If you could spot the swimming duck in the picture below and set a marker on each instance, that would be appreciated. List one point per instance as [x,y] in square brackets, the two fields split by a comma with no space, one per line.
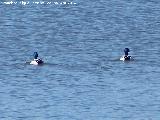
[126,57]
[36,60]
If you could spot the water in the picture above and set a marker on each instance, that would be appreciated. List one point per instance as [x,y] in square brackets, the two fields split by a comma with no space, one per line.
[82,78]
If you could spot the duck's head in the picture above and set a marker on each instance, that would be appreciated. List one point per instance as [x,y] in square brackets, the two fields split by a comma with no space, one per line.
[126,50]
[35,55]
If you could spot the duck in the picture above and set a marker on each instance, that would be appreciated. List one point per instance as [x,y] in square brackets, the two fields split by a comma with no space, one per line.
[36,60]
[126,57]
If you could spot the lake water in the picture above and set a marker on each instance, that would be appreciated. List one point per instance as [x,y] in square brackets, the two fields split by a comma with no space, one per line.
[81,43]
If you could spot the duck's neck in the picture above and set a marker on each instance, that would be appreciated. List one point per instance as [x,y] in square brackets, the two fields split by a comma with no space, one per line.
[126,53]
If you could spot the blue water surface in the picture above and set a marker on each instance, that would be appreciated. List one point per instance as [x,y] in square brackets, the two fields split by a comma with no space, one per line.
[82,78]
